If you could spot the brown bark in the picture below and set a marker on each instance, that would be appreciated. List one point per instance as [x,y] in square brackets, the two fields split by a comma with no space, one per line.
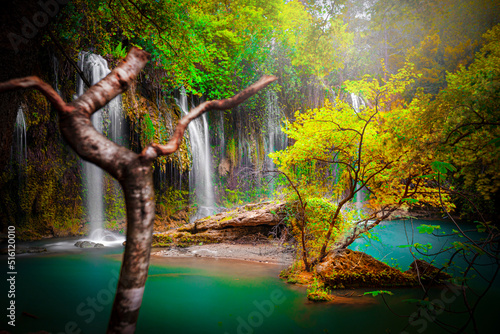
[133,171]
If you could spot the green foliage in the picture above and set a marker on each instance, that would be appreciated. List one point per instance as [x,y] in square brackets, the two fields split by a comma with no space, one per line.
[148,130]
[119,52]
[429,229]
[161,240]
[114,201]
[467,248]
[469,116]
[42,198]
[231,151]
[318,292]
[169,200]
[215,49]
[378,292]
[442,167]
[319,214]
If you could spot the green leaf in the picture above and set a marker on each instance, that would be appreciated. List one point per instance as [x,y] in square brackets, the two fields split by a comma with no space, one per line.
[425,247]
[442,167]
[428,176]
[378,292]
[410,200]
[428,228]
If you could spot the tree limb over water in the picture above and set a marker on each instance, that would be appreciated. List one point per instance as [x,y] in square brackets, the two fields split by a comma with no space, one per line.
[133,171]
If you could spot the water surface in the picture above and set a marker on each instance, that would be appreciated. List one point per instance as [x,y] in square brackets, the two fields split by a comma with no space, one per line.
[72,292]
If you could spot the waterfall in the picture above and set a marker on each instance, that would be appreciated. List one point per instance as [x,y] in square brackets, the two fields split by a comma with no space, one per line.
[275,139]
[118,133]
[360,198]
[20,149]
[357,101]
[200,176]
[95,68]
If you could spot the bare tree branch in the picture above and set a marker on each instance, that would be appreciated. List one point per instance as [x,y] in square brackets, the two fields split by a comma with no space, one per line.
[36,83]
[133,171]
[114,83]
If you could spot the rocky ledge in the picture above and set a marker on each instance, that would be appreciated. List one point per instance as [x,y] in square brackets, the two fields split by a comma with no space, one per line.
[249,220]
[25,250]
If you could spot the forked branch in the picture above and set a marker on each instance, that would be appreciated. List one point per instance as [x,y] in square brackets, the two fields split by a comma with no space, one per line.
[133,171]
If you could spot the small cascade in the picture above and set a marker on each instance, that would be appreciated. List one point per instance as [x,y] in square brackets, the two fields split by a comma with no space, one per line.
[200,176]
[220,128]
[20,149]
[359,199]
[357,102]
[95,68]
[360,196]
[117,133]
[275,139]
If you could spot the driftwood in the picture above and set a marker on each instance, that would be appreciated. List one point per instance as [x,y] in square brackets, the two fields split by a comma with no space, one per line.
[133,171]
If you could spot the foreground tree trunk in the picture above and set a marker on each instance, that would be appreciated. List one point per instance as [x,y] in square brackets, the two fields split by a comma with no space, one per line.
[133,171]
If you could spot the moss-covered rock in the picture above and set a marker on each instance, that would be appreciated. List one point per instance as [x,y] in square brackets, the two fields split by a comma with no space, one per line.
[347,268]
[182,239]
[252,219]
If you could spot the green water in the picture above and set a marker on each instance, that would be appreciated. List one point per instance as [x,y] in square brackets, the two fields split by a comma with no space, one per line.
[72,293]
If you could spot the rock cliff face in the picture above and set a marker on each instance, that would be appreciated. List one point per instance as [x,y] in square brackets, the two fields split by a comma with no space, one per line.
[251,219]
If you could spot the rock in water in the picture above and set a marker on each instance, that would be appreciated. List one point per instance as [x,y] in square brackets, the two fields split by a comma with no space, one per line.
[88,244]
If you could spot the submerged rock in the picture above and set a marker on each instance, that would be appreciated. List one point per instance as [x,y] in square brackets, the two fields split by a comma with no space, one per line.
[251,219]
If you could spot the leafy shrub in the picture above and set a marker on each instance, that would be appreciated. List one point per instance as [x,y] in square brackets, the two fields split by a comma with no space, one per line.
[318,292]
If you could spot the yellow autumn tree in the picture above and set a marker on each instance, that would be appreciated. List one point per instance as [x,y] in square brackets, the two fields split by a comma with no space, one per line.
[381,147]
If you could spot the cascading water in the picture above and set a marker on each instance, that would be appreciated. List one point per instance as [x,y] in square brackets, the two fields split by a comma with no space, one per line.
[95,68]
[20,149]
[355,102]
[359,197]
[275,139]
[200,176]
